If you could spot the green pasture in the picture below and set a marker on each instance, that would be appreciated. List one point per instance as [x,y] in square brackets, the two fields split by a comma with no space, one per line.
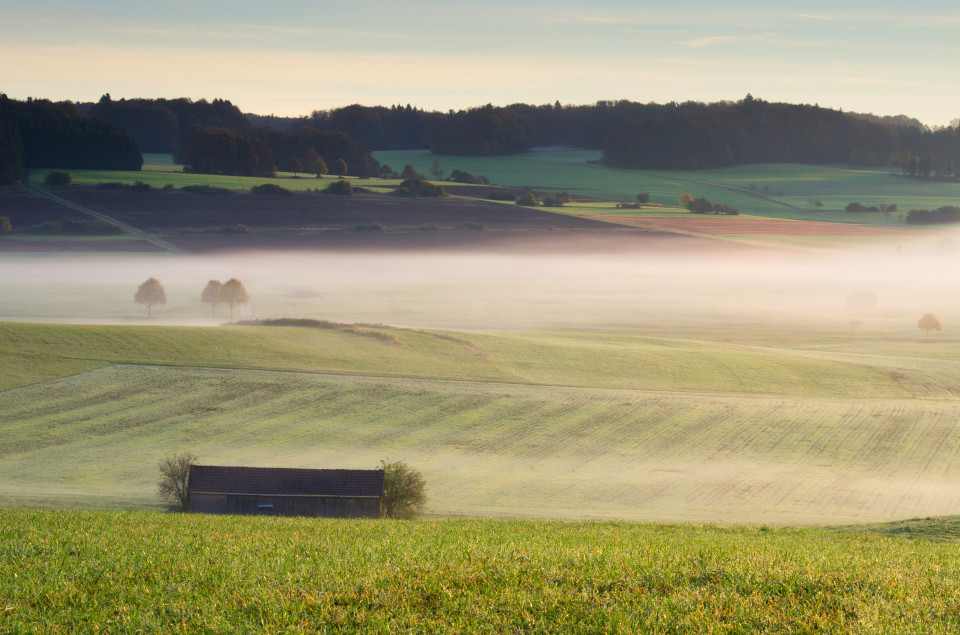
[66,572]
[571,170]
[558,425]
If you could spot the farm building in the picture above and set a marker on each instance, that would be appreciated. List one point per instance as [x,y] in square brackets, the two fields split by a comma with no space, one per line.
[279,491]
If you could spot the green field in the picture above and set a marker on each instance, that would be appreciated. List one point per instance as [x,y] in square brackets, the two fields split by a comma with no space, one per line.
[63,572]
[551,425]
[835,186]
[747,188]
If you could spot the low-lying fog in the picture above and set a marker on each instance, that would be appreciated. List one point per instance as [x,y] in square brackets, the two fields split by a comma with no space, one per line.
[675,292]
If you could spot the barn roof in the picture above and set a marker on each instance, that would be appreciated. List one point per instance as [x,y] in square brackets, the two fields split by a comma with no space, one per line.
[221,479]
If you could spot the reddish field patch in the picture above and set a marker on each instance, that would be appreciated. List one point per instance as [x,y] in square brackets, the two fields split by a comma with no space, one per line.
[727,225]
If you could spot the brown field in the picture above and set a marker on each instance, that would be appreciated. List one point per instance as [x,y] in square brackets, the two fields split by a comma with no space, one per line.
[734,225]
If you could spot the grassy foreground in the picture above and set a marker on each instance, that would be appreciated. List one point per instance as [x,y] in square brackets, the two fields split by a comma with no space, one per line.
[64,572]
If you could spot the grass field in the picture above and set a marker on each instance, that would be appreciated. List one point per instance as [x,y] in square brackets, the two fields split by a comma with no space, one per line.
[66,572]
[526,425]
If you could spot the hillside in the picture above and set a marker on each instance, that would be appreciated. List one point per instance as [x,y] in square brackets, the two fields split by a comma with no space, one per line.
[531,425]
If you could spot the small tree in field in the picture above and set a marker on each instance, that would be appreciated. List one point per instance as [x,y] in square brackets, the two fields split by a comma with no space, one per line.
[319,167]
[927,323]
[685,199]
[340,167]
[5,226]
[149,293]
[234,293]
[643,197]
[436,171]
[211,295]
[174,479]
[403,491]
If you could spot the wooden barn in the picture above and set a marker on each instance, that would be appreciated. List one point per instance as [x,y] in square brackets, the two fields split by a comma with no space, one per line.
[280,491]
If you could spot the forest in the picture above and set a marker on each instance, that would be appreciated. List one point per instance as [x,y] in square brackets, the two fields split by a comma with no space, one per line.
[217,137]
[41,133]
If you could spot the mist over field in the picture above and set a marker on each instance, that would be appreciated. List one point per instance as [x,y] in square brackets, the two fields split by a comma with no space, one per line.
[679,289]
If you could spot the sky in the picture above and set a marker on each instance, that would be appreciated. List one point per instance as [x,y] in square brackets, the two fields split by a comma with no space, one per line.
[291,57]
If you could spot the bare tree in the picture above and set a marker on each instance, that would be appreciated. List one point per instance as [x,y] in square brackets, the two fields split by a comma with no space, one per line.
[149,293]
[403,491]
[211,295]
[854,324]
[173,486]
[927,323]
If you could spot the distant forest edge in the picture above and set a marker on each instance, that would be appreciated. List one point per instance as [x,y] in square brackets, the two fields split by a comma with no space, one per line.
[40,133]
[216,137]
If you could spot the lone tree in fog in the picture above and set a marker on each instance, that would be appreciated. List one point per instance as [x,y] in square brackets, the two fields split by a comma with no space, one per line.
[150,292]
[233,293]
[211,295]
[403,491]
[175,478]
[927,323]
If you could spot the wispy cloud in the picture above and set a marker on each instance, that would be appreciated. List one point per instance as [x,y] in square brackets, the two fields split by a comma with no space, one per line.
[813,16]
[707,41]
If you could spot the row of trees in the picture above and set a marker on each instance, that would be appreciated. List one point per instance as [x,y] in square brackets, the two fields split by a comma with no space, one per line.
[259,153]
[41,133]
[232,293]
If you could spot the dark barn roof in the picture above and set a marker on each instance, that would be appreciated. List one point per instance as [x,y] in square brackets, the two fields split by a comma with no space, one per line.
[220,479]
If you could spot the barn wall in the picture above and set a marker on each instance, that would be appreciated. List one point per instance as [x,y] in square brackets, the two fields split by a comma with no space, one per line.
[319,507]
[208,504]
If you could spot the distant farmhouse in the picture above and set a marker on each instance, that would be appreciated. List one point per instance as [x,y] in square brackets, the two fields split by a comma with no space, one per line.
[278,491]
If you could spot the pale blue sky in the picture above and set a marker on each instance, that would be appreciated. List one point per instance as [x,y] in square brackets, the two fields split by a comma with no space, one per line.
[290,57]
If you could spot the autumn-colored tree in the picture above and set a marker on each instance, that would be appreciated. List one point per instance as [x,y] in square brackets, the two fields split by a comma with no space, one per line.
[319,167]
[234,293]
[149,293]
[927,323]
[685,199]
[436,171]
[340,167]
[211,295]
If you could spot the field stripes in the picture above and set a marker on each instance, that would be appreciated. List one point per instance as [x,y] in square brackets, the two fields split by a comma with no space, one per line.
[493,449]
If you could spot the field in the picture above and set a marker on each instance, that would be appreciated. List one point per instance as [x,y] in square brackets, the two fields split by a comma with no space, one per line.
[545,425]
[132,572]
[760,192]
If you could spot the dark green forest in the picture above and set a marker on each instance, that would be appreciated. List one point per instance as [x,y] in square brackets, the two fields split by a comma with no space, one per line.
[39,133]
[217,137]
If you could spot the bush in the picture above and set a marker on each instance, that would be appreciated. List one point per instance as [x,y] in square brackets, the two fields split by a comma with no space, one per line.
[140,186]
[270,189]
[528,200]
[416,188]
[340,187]
[501,195]
[206,190]
[403,491]
[940,216]
[854,207]
[169,187]
[58,178]
[461,176]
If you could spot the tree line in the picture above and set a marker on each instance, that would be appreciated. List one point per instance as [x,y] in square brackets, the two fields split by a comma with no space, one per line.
[688,135]
[39,133]
[264,150]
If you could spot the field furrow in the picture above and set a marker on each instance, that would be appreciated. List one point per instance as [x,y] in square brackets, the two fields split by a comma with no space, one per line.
[492,449]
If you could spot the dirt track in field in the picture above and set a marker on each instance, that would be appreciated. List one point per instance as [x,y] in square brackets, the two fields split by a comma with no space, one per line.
[732,225]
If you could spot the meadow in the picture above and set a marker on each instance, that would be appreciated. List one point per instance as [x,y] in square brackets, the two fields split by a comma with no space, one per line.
[541,425]
[64,572]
